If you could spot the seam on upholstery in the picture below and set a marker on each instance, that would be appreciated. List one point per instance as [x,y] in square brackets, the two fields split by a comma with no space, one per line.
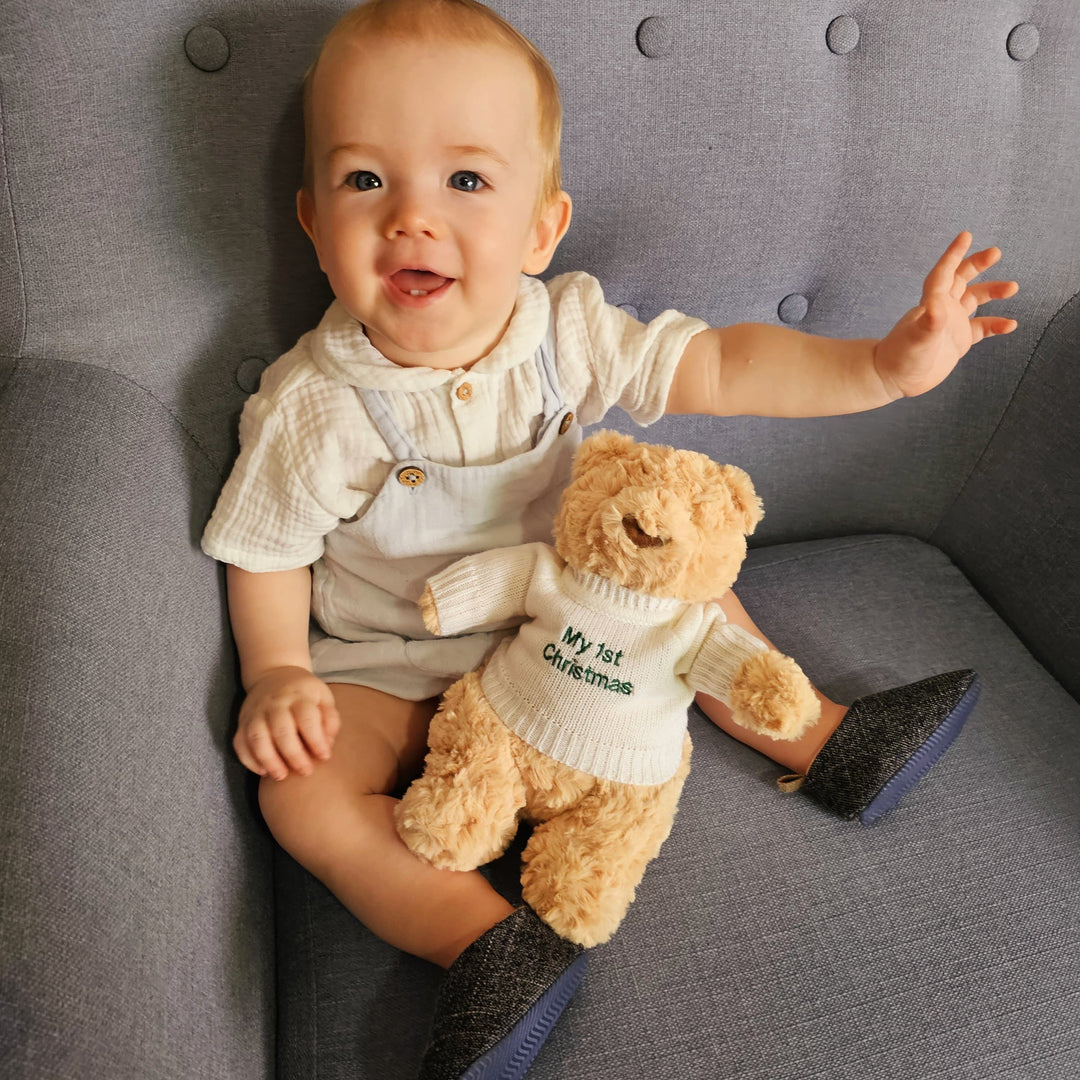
[868,541]
[14,227]
[128,379]
[314,979]
[1001,419]
[11,374]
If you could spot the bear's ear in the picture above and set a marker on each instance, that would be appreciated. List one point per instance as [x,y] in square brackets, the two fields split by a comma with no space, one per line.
[599,450]
[745,503]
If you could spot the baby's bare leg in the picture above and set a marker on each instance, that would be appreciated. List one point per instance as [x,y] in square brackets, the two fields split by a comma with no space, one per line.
[338,823]
[796,754]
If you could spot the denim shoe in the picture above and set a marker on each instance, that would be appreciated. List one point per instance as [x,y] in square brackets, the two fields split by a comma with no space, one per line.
[500,1000]
[885,745]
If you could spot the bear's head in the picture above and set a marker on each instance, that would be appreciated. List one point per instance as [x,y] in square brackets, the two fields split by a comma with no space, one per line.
[655,519]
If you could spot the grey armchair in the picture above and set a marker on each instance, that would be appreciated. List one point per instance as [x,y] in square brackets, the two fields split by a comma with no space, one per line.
[787,162]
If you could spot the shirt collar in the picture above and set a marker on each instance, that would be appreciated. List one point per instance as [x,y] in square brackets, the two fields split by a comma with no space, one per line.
[341,349]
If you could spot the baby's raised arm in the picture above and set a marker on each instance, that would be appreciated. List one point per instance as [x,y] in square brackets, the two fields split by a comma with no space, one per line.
[756,369]
[289,713]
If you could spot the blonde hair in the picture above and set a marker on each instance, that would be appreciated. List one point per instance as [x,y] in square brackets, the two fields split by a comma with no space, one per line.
[454,20]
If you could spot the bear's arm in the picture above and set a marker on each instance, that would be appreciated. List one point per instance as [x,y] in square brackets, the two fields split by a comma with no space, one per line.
[723,651]
[482,589]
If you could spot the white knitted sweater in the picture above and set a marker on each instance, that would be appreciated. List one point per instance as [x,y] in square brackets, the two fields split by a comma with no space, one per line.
[601,677]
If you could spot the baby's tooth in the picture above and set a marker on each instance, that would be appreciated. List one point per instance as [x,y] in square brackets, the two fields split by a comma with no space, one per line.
[417,292]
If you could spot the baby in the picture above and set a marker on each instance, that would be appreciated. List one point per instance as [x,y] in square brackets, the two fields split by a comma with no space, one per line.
[432,413]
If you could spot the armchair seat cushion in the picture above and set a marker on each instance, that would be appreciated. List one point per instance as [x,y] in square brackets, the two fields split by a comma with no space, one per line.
[760,946]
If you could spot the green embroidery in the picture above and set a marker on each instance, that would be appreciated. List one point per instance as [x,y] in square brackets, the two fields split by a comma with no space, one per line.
[578,645]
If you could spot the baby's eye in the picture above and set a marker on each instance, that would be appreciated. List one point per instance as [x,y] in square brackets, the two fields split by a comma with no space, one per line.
[470,179]
[363,180]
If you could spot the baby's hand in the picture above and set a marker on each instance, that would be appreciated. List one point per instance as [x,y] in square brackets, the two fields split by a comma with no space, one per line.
[287,716]
[925,345]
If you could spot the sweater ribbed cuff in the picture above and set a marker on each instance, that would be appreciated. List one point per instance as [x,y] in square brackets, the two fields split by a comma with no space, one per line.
[454,590]
[724,651]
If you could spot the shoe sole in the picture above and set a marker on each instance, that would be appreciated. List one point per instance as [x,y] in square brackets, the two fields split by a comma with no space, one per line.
[511,1058]
[919,764]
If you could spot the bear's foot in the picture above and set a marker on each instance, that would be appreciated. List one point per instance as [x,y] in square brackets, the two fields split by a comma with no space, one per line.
[447,827]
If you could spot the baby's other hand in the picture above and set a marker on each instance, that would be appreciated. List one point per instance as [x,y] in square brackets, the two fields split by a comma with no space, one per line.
[925,345]
[288,717]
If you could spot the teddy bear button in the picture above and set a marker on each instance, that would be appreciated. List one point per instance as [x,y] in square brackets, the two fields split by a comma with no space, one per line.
[411,476]
[567,420]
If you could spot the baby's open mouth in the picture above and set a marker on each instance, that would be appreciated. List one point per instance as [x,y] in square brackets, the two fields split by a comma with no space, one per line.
[418,282]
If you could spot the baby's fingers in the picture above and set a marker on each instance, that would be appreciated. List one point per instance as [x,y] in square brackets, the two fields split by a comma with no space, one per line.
[247,758]
[331,723]
[943,274]
[990,326]
[309,720]
[255,747]
[985,291]
[283,726]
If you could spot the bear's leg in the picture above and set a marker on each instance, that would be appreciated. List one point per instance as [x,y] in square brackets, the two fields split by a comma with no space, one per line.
[463,811]
[583,866]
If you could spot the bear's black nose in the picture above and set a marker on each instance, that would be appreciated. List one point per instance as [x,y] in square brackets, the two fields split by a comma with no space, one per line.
[638,535]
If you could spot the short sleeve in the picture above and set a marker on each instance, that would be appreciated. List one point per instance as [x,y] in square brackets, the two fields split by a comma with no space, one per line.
[606,357]
[267,517]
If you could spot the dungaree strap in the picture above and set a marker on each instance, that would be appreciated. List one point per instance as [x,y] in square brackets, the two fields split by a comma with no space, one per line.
[400,445]
[549,381]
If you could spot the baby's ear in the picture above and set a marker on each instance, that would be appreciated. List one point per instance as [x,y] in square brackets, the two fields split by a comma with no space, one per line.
[548,229]
[746,507]
[600,450]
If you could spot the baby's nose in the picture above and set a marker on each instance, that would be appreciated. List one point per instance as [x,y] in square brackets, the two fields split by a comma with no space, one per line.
[411,215]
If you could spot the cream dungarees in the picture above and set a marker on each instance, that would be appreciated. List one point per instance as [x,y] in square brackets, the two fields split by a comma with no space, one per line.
[424,517]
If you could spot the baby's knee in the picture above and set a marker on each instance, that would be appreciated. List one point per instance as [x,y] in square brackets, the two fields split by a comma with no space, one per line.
[301,811]
[282,804]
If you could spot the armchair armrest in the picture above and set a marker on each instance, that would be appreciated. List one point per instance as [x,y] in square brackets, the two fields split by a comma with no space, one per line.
[1015,528]
[136,926]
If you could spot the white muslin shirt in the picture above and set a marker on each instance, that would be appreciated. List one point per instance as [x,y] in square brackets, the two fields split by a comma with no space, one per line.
[311,457]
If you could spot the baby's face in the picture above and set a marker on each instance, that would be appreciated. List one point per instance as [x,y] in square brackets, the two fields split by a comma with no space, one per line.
[429,157]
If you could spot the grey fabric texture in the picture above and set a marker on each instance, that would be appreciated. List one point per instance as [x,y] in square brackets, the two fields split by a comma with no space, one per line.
[135,913]
[789,163]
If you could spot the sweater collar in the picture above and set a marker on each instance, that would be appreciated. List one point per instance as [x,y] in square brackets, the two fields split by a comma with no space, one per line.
[603,594]
[341,349]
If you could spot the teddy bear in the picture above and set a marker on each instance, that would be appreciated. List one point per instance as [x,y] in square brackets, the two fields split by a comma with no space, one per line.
[577,722]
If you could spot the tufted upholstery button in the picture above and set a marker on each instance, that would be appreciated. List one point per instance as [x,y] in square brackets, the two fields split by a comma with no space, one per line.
[1023,41]
[248,373]
[843,34]
[207,48]
[411,476]
[655,36]
[793,308]
[567,420]
[629,309]
[464,391]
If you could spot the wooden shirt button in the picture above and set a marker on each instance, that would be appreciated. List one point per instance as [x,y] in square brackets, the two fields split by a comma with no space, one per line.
[567,420]
[464,391]
[411,476]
